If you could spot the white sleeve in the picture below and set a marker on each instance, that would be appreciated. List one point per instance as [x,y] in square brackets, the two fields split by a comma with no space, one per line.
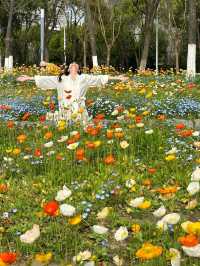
[96,80]
[47,82]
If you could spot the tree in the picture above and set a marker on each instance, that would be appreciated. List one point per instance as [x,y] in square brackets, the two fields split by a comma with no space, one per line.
[192,28]
[148,8]
[91,30]
[110,29]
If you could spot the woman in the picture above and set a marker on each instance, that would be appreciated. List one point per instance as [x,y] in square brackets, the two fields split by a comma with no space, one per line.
[71,88]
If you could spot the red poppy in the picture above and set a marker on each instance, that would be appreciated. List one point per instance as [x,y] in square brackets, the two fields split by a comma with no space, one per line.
[138,119]
[42,118]
[8,257]
[151,170]
[109,134]
[38,152]
[51,208]
[191,85]
[180,126]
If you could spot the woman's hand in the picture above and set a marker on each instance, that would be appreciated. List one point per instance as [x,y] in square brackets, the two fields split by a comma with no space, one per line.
[123,78]
[120,77]
[24,78]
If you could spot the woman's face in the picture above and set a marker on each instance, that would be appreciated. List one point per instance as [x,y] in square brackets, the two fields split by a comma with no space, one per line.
[73,69]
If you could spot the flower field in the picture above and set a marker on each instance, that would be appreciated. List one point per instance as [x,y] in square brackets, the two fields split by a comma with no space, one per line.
[123,190]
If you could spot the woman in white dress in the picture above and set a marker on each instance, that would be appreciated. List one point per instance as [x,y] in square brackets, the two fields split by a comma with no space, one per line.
[71,89]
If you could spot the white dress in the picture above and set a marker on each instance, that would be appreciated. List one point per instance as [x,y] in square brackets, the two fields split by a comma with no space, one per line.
[71,94]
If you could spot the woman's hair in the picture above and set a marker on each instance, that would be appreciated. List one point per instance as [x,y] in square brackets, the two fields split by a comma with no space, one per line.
[66,71]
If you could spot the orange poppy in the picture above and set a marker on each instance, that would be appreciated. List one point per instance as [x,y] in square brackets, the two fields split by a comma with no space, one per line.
[3,188]
[90,145]
[188,240]
[119,135]
[186,133]
[109,134]
[51,208]
[26,116]
[10,124]
[161,117]
[80,154]
[109,159]
[167,190]
[21,138]
[48,135]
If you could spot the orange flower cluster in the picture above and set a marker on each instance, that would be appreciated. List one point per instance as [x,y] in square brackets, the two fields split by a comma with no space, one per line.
[149,251]
[188,240]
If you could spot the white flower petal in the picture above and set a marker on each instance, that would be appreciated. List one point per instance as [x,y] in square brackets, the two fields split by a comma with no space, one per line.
[171,218]
[67,210]
[63,194]
[99,229]
[136,202]
[193,188]
[121,234]
[160,211]
[192,251]
[31,235]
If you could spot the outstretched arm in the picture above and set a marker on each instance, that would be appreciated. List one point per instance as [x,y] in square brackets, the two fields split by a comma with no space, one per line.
[100,80]
[43,82]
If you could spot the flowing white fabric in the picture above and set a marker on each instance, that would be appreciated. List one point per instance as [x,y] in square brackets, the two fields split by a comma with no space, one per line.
[71,92]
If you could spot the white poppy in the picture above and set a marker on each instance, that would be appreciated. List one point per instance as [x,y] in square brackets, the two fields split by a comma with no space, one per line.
[160,211]
[175,257]
[62,139]
[83,256]
[161,225]
[130,183]
[149,132]
[192,204]
[124,144]
[171,218]
[63,194]
[196,175]
[118,261]
[121,234]
[48,144]
[192,251]
[50,153]
[67,210]
[172,151]
[115,112]
[73,146]
[136,202]
[103,213]
[193,188]
[31,235]
[89,263]
[99,229]
[140,125]
[195,134]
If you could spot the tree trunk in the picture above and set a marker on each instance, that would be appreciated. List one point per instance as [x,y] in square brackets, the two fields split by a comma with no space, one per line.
[91,30]
[177,61]
[191,56]
[151,8]
[84,52]
[145,52]
[8,39]
[108,56]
